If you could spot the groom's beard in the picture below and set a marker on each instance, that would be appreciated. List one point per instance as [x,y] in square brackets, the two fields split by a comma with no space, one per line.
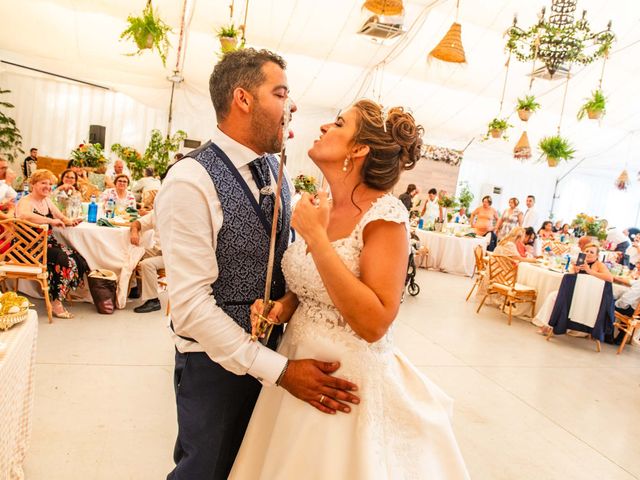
[266,134]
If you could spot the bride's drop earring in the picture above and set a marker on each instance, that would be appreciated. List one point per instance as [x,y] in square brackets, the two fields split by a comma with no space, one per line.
[345,164]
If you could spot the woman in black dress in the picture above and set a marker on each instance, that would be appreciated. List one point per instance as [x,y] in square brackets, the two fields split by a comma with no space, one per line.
[66,267]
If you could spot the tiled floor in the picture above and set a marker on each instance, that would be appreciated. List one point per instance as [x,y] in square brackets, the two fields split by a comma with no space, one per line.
[525,408]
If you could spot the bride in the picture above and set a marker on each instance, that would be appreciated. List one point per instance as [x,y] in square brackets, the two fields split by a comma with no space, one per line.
[346,278]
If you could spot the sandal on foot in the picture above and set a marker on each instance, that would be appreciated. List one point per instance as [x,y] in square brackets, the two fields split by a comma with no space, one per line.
[64,314]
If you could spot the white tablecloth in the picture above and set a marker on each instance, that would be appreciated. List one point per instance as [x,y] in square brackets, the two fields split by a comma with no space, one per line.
[103,247]
[450,253]
[545,281]
[17,365]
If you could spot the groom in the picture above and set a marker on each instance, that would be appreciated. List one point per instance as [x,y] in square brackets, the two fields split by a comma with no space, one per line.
[214,218]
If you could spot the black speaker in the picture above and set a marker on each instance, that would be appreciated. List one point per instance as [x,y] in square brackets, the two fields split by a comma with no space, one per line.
[96,134]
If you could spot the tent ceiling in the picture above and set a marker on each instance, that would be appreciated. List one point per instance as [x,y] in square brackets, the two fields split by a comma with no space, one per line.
[330,65]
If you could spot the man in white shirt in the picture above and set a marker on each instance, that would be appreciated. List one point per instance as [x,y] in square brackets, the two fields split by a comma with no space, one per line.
[212,216]
[618,240]
[531,218]
[145,184]
[431,210]
[7,193]
[118,168]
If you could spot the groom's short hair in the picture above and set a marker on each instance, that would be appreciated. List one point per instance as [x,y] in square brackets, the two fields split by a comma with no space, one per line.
[241,68]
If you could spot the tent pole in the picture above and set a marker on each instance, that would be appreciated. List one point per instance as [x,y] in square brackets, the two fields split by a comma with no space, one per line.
[558,180]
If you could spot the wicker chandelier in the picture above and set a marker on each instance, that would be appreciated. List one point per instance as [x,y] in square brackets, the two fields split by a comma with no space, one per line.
[384,7]
[559,41]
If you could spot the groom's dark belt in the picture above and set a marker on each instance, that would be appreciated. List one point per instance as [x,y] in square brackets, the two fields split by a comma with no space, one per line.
[220,304]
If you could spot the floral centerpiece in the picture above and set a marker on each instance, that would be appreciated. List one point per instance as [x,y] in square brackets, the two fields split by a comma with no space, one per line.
[592,226]
[305,183]
[132,158]
[88,155]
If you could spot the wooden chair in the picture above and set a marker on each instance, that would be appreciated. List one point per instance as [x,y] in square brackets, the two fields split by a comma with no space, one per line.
[480,269]
[627,325]
[23,254]
[502,280]
[557,248]
[148,198]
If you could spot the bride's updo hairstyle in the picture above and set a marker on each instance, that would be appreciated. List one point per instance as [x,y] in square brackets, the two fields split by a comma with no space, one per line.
[394,143]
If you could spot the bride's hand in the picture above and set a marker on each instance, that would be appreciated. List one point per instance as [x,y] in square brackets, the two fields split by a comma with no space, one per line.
[274,314]
[310,217]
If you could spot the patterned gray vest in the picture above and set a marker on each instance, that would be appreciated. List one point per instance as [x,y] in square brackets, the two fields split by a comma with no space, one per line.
[242,248]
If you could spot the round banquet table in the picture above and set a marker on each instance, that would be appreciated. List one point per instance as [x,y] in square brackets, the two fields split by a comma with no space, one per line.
[17,365]
[545,281]
[102,247]
[449,253]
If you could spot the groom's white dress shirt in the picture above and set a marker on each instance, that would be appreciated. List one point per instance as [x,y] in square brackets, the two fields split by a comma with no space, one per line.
[190,216]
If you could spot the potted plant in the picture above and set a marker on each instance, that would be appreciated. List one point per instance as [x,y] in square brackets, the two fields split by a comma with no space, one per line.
[159,148]
[88,155]
[594,107]
[465,197]
[526,106]
[556,148]
[10,137]
[447,203]
[228,37]
[148,31]
[497,128]
[136,162]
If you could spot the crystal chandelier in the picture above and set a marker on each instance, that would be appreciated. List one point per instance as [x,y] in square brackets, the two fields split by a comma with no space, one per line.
[559,41]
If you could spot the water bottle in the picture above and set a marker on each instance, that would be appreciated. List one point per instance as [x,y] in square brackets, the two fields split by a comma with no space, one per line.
[92,214]
[567,263]
[421,223]
[109,212]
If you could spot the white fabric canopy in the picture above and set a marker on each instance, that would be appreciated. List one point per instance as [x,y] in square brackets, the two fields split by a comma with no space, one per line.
[330,66]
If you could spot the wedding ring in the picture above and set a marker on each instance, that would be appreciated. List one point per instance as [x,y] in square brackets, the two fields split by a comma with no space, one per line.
[322,399]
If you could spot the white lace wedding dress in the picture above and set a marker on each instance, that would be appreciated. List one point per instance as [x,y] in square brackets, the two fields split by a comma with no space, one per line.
[400,430]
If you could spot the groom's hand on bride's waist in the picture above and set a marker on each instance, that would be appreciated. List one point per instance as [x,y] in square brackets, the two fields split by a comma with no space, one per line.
[310,381]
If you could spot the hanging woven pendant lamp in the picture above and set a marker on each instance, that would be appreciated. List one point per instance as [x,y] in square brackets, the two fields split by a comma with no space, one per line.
[384,7]
[522,150]
[622,182]
[450,48]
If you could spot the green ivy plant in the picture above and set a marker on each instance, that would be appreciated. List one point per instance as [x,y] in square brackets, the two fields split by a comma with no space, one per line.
[497,128]
[136,162]
[556,148]
[148,31]
[594,107]
[159,149]
[10,137]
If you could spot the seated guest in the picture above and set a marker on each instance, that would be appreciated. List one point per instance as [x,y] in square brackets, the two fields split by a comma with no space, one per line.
[461,216]
[146,184]
[531,243]
[513,246]
[407,197]
[7,193]
[631,232]
[68,182]
[634,252]
[120,194]
[483,220]
[557,227]
[546,231]
[617,240]
[592,265]
[564,231]
[151,262]
[65,266]
[511,218]
[118,168]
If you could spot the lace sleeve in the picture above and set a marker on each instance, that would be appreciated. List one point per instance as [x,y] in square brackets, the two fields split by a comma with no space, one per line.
[387,208]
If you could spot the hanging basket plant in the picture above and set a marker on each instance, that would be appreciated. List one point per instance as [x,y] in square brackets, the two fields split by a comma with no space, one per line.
[148,31]
[228,37]
[622,182]
[497,128]
[556,148]
[594,107]
[526,106]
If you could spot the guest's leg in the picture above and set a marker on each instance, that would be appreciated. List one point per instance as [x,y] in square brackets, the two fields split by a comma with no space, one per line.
[214,408]
[149,272]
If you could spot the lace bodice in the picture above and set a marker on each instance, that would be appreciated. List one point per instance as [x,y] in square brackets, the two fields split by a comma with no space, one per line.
[304,280]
